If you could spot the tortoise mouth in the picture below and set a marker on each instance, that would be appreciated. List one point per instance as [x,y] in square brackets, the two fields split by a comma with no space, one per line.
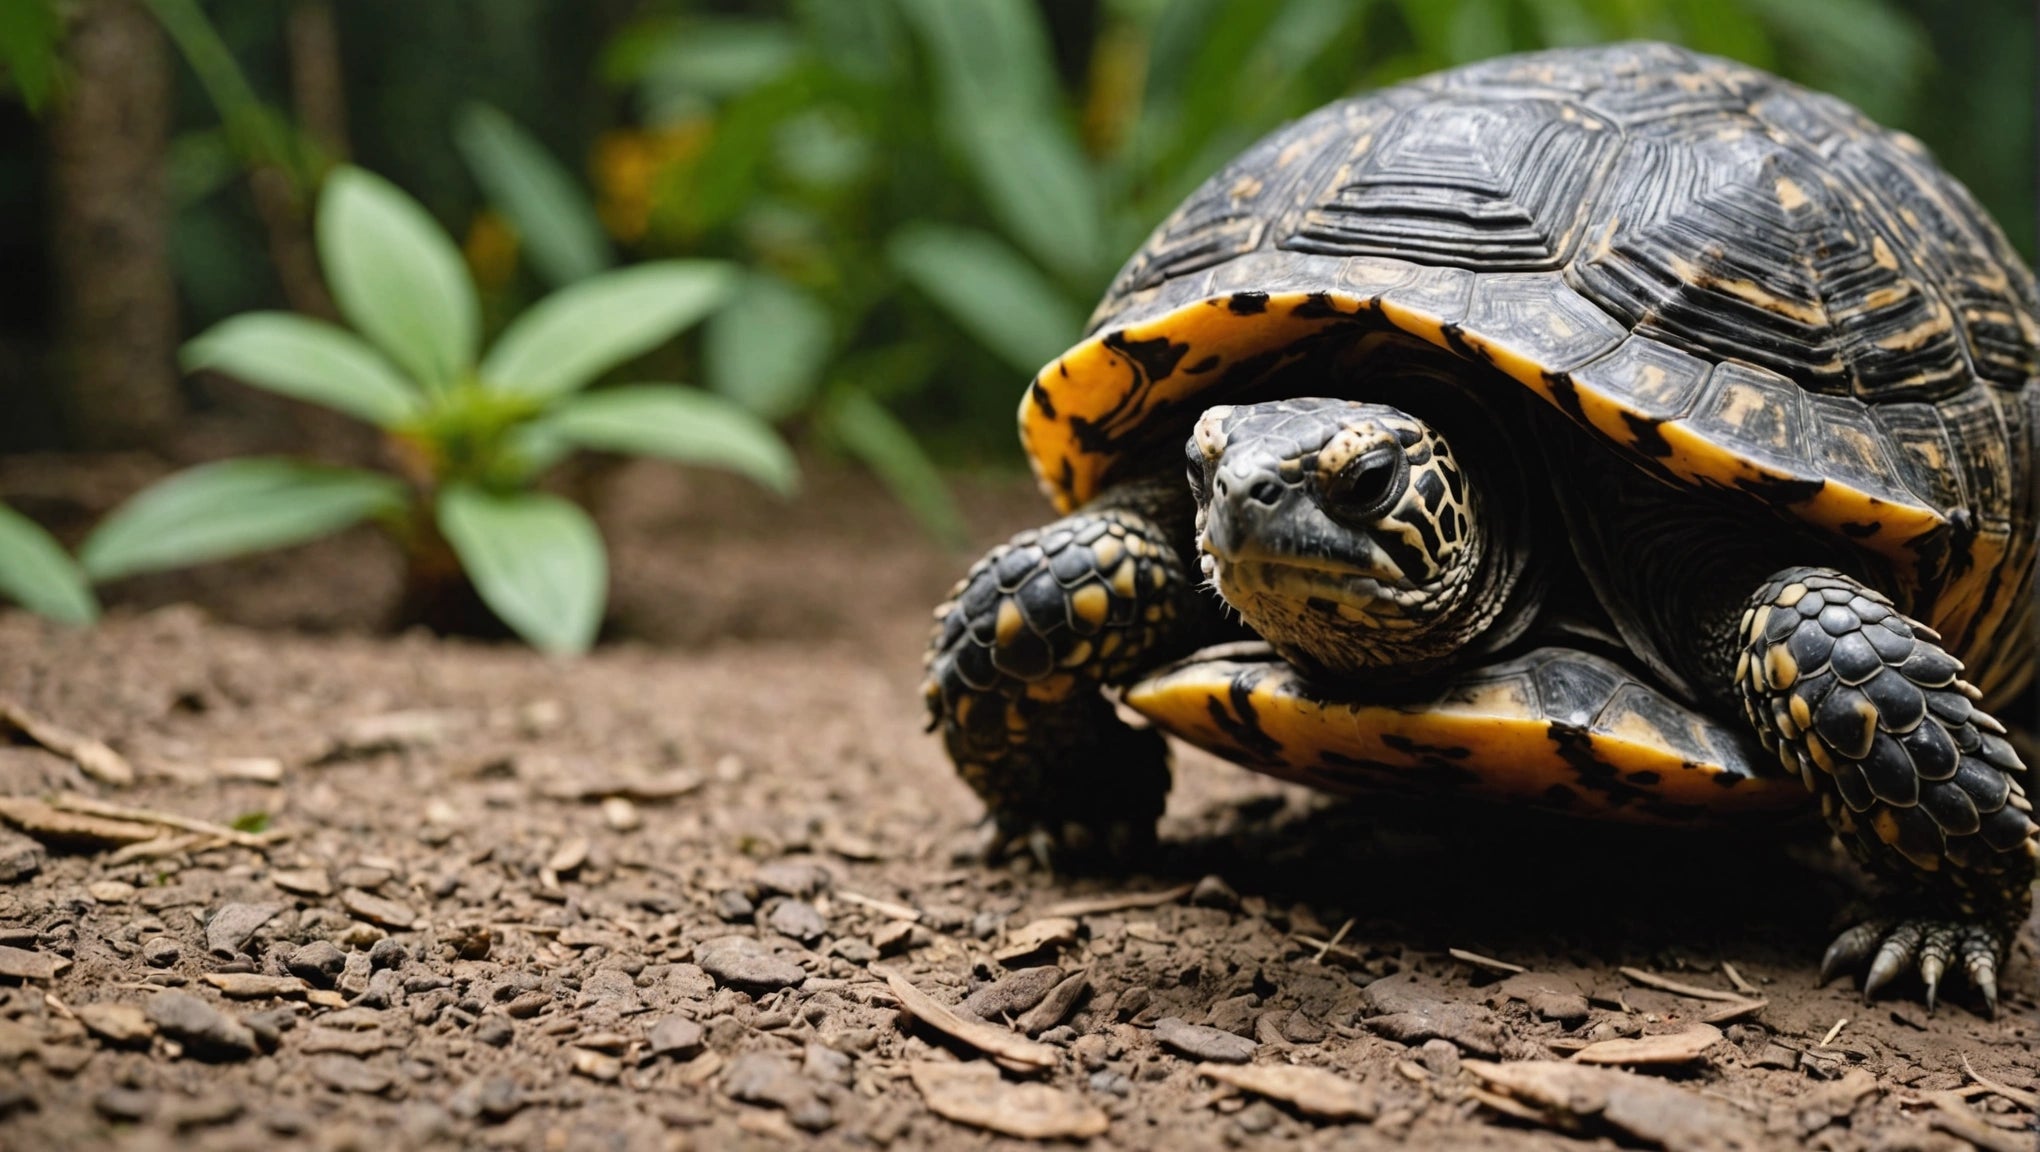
[1323,586]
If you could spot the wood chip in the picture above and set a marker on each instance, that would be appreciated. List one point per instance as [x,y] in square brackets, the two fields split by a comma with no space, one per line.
[253,769]
[96,759]
[1013,1051]
[2030,1101]
[21,964]
[161,846]
[642,789]
[1481,961]
[568,857]
[1665,984]
[886,908]
[70,802]
[1728,1012]
[1571,1096]
[1054,1007]
[1099,905]
[974,1094]
[376,910]
[1055,932]
[68,828]
[1953,1116]
[303,881]
[1314,1092]
[1669,1048]
[1736,978]
[255,985]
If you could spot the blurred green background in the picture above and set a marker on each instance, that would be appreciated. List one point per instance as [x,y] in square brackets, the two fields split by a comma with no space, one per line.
[927,195]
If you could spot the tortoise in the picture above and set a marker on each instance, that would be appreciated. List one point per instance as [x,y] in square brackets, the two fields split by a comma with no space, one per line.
[1622,430]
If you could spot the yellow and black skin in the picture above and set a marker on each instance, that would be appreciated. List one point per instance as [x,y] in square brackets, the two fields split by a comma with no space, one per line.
[1023,645]
[1747,349]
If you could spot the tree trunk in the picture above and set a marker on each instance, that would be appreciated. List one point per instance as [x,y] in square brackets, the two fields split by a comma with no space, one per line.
[116,305]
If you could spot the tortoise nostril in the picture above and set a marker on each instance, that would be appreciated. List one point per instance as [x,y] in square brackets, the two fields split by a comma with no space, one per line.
[1265,492]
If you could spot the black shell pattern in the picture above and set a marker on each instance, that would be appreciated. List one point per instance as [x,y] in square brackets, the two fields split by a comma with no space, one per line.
[1806,298]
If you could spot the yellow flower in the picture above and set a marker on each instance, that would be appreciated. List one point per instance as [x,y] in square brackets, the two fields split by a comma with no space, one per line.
[491,249]
[629,164]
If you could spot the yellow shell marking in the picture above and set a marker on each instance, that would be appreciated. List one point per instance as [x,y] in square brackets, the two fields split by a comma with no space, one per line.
[1099,384]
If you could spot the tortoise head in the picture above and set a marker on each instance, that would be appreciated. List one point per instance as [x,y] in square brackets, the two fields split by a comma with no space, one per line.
[1345,533]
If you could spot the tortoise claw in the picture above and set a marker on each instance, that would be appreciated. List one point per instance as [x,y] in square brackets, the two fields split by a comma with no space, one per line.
[1851,948]
[1979,964]
[1900,948]
[1929,947]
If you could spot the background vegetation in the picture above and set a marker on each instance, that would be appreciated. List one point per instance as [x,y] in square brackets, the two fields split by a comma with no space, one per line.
[921,198]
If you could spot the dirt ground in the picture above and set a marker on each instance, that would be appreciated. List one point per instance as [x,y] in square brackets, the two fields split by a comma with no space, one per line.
[678,894]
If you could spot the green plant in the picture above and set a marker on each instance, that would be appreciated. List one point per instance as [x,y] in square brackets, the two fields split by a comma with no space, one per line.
[36,572]
[473,433]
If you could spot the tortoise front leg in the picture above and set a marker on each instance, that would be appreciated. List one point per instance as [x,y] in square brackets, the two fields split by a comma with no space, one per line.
[1014,671]
[1920,784]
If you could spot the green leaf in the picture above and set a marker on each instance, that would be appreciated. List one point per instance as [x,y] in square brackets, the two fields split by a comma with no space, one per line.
[875,436]
[254,823]
[676,423]
[306,359]
[397,276]
[231,508]
[30,33]
[576,334]
[1039,187]
[553,217]
[536,560]
[989,290]
[1000,101]
[36,573]
[717,58]
[768,348]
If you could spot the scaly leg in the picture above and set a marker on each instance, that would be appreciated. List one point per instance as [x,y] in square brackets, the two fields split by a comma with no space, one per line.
[1014,669]
[1918,782]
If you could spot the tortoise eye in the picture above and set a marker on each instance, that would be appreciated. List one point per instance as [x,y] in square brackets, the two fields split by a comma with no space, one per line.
[1367,486]
[1194,462]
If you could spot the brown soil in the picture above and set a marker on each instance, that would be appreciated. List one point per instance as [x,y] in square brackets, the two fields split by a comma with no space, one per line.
[763,711]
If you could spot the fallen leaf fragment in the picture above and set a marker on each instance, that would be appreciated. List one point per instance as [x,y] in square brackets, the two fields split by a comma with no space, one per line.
[21,964]
[255,985]
[1954,1116]
[1667,1048]
[1100,905]
[1570,1096]
[974,1094]
[1314,1092]
[70,828]
[1047,932]
[99,762]
[1016,1052]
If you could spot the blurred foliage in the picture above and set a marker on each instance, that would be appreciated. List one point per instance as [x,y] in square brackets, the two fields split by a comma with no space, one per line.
[926,196]
[473,431]
[30,32]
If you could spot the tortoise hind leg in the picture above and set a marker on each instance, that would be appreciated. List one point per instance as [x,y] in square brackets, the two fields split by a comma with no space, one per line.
[1920,784]
[1014,668]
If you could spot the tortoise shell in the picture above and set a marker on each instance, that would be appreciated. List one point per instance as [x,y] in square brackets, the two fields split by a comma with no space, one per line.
[1733,282]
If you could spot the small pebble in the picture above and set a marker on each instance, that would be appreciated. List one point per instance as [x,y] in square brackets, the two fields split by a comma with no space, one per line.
[1214,892]
[495,1030]
[798,919]
[678,1037]
[1441,1057]
[318,962]
[1203,1043]
[387,953]
[125,1105]
[20,856]
[734,906]
[742,962]
[799,879]
[230,928]
[161,952]
[204,1031]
